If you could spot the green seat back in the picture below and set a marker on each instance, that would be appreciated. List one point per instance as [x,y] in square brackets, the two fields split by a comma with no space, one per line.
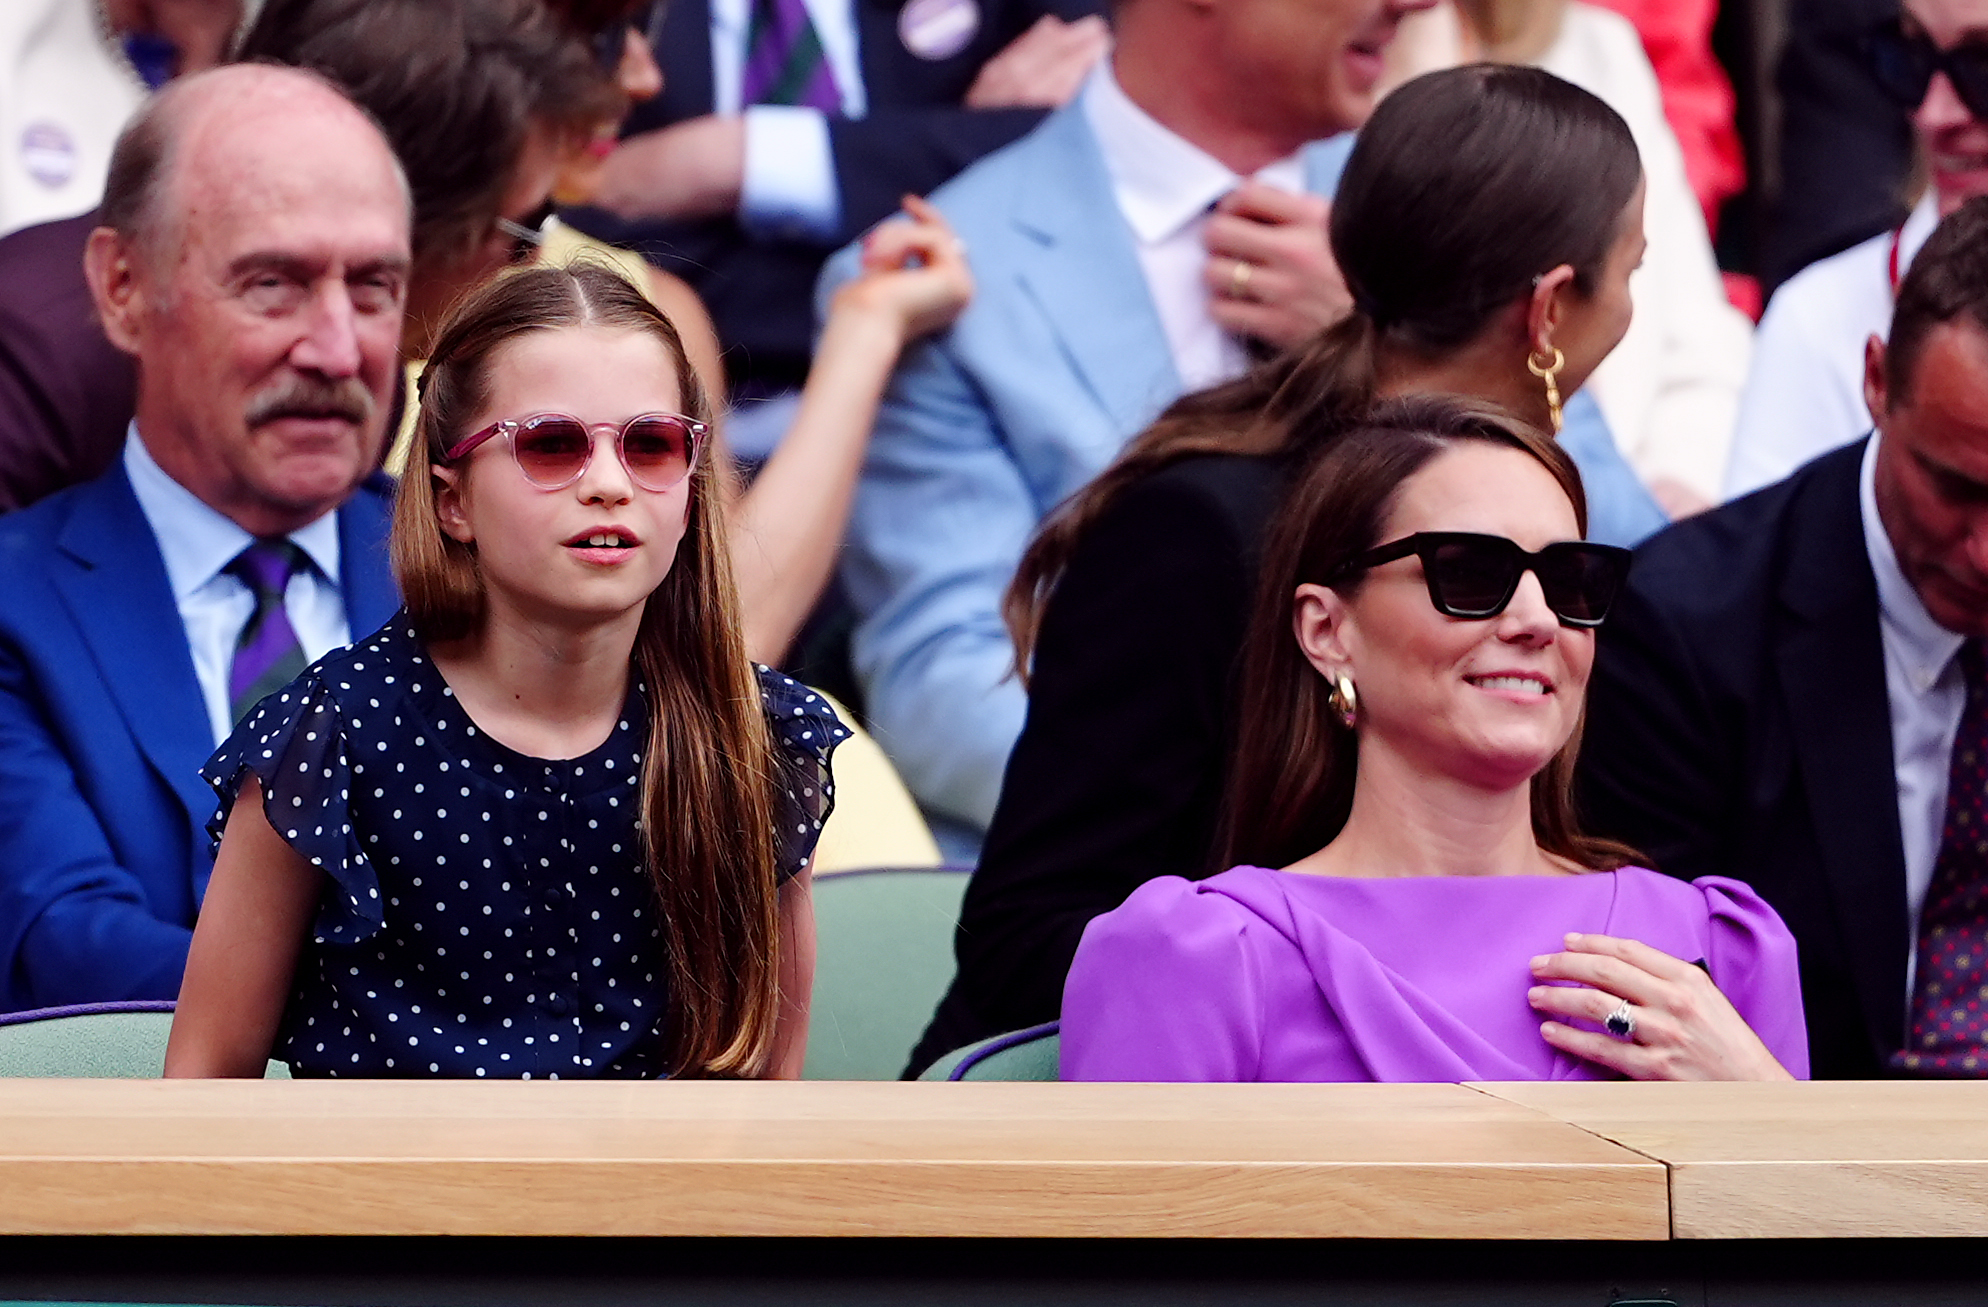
[883,959]
[1018,1055]
[94,1045]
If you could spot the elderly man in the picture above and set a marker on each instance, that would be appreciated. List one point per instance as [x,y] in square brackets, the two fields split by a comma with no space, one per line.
[1106,287]
[253,258]
[1793,693]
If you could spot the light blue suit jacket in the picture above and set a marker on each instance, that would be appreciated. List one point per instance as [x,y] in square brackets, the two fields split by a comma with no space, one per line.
[104,854]
[1059,360]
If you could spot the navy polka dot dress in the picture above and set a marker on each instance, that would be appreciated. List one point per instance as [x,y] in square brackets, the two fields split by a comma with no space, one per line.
[484,913]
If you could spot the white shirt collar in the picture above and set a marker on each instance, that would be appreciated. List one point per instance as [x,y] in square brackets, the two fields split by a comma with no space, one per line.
[1162,181]
[1922,645]
[195,539]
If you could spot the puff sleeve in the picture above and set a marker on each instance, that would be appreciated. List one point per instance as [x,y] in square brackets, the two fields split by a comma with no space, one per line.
[1751,957]
[805,732]
[295,745]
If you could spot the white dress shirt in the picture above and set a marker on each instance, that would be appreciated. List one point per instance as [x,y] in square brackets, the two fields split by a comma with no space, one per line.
[197,544]
[1805,393]
[789,186]
[1165,187]
[1922,681]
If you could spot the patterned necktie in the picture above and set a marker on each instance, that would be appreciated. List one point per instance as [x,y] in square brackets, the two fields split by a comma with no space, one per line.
[1950,991]
[267,655]
[784,63]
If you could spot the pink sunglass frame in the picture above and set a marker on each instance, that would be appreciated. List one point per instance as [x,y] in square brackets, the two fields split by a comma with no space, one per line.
[695,433]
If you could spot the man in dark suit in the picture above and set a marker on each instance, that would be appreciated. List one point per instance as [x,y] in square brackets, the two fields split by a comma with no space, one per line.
[253,258]
[942,83]
[1790,681]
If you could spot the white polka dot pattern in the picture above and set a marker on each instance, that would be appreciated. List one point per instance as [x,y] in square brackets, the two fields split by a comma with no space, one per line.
[484,913]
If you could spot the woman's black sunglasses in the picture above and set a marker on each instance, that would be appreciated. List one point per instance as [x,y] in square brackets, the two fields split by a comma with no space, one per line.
[1474,576]
[1904,63]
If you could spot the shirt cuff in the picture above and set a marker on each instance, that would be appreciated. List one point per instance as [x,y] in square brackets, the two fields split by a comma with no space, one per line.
[789,189]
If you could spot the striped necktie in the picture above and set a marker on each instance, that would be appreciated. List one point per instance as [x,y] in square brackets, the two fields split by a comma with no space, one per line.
[1950,980]
[784,62]
[267,655]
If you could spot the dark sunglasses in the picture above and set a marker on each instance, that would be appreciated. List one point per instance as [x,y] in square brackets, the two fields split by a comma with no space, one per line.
[553,450]
[611,41]
[1474,576]
[1904,63]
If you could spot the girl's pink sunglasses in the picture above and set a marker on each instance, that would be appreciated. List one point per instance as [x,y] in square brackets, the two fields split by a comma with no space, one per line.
[554,449]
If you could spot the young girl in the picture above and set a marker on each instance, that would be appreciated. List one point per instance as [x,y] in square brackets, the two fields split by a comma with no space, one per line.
[549,821]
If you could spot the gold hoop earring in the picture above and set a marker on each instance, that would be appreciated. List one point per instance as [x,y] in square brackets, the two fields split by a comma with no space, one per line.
[1344,700]
[1550,374]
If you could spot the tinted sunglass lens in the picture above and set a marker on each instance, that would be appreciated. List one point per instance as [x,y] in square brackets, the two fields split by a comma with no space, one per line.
[657,451]
[1968,69]
[1472,579]
[1579,581]
[553,452]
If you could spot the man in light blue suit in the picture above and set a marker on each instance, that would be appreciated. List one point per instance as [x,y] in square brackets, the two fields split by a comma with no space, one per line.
[1104,289]
[253,258]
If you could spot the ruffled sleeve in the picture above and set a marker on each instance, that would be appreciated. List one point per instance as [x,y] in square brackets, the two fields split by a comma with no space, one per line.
[805,732]
[1751,956]
[295,746]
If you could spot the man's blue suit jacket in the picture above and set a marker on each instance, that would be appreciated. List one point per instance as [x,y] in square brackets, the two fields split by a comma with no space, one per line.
[104,854]
[1056,363]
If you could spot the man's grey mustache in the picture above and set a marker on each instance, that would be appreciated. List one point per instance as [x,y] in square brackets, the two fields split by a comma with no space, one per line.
[312,397]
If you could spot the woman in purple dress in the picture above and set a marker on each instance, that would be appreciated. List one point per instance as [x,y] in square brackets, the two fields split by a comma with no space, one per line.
[1409,898]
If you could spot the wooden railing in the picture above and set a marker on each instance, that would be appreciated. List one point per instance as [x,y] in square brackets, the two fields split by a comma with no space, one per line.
[1479,1162]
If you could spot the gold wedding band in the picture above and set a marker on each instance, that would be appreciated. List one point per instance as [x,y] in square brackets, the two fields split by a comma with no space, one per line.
[1239,281]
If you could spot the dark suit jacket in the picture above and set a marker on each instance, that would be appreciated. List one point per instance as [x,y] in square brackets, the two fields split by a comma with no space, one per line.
[915,136]
[1118,774]
[66,393]
[104,854]
[1738,726]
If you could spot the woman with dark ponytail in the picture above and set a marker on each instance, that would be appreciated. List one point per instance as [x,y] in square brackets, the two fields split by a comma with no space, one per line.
[1486,225]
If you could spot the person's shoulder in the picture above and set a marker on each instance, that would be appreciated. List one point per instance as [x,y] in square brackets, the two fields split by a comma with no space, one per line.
[1181,917]
[1736,547]
[1840,299]
[28,535]
[43,264]
[1229,494]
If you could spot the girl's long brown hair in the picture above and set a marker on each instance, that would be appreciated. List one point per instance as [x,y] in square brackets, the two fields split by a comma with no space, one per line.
[1291,786]
[710,774]
[1464,186]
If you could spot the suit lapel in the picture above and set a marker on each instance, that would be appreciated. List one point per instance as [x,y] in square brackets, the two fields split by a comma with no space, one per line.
[1831,657]
[114,584]
[1085,275]
[366,581]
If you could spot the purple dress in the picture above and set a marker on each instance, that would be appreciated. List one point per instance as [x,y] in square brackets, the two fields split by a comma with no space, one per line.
[1274,975]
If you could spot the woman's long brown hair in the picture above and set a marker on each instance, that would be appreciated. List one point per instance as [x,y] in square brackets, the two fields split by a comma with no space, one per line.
[1291,785]
[710,774]
[1464,186]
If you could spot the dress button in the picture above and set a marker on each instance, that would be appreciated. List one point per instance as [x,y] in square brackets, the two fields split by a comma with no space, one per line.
[557,1005]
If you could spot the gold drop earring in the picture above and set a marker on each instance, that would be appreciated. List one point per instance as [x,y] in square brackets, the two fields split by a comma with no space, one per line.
[1549,372]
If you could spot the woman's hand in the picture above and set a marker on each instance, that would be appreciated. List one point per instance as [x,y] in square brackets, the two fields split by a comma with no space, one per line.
[914,275]
[1683,1027]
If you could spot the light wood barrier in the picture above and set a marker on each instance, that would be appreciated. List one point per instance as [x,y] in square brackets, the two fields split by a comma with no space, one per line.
[810,1159]
[1893,1159]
